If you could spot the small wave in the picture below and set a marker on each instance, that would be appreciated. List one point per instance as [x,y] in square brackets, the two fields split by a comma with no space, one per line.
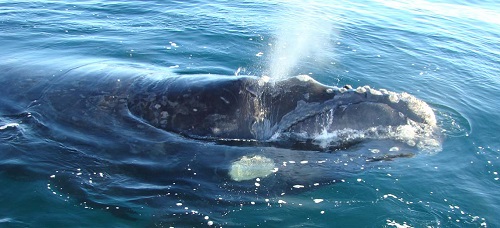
[14,127]
[10,222]
[453,124]
[9,130]
[8,125]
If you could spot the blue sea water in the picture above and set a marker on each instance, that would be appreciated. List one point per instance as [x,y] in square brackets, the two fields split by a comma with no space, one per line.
[55,173]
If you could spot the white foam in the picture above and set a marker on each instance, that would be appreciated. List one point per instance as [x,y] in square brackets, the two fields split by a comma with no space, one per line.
[9,125]
[318,200]
[398,225]
[413,134]
[394,148]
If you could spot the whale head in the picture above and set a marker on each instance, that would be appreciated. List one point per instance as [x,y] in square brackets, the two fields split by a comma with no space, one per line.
[300,109]
[297,109]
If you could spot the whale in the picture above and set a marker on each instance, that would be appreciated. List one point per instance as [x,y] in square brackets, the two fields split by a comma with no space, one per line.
[234,109]
[240,136]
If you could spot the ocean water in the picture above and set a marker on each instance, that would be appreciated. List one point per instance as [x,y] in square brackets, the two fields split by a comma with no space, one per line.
[59,171]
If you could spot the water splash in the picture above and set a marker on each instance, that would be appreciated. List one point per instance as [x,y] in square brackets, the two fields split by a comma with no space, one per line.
[305,31]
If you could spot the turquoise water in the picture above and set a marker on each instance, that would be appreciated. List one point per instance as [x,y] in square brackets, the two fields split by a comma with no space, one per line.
[55,172]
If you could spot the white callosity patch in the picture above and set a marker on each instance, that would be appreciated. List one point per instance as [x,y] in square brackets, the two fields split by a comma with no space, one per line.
[249,168]
[403,102]
[420,108]
[305,78]
[361,90]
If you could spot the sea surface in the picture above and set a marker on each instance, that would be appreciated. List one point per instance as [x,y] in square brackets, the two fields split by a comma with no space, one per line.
[56,172]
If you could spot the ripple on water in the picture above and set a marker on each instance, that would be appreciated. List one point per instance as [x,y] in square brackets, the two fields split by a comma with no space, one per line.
[10,127]
[452,123]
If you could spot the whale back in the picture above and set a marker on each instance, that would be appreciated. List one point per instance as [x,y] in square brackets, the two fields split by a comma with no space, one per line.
[197,106]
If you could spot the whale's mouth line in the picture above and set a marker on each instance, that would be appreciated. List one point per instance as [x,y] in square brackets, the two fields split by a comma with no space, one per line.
[307,112]
[308,117]
[328,113]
